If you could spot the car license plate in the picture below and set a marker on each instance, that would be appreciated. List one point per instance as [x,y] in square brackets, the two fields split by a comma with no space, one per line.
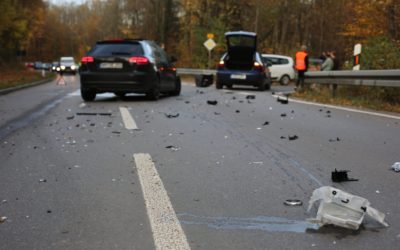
[111,65]
[238,76]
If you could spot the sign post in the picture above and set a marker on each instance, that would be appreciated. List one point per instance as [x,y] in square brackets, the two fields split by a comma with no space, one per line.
[357,55]
[210,45]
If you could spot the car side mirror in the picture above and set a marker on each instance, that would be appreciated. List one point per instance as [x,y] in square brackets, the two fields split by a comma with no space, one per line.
[173,59]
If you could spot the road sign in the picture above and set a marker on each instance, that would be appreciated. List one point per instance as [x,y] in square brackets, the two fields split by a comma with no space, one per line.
[210,44]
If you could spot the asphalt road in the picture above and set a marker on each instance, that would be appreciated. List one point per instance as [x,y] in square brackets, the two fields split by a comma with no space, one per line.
[138,174]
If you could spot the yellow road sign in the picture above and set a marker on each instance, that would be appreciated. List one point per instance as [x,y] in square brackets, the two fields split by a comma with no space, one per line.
[210,44]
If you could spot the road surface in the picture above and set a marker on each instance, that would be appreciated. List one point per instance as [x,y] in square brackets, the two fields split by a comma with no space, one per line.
[138,174]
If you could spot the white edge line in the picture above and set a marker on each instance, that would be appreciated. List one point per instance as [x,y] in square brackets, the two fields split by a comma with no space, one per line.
[166,228]
[343,108]
[128,119]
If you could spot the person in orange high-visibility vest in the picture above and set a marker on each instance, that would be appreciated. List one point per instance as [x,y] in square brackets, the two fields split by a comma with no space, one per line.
[301,65]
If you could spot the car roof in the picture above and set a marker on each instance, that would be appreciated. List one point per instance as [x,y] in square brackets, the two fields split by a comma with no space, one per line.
[274,55]
[125,40]
[240,33]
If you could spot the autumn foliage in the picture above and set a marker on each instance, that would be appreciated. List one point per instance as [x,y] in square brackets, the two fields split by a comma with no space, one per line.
[41,31]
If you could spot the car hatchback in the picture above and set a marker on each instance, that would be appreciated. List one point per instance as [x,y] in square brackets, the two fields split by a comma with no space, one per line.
[128,66]
[242,64]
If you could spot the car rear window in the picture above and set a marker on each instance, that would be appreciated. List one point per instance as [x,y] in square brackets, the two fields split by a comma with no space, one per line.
[244,41]
[67,60]
[117,49]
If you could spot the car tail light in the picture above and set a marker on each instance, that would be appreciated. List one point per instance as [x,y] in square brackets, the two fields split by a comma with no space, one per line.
[258,66]
[87,59]
[221,64]
[139,60]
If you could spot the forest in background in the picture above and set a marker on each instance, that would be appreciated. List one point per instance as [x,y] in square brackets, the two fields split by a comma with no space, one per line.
[36,30]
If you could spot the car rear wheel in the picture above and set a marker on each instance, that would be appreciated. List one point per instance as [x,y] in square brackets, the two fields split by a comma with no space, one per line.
[154,93]
[218,84]
[261,87]
[285,80]
[88,95]
[178,87]
[120,94]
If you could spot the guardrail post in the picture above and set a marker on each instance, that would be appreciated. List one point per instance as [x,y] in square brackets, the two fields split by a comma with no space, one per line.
[334,90]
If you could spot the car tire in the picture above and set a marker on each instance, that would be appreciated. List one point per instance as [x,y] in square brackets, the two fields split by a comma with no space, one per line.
[261,86]
[285,80]
[88,95]
[218,85]
[120,95]
[178,87]
[154,93]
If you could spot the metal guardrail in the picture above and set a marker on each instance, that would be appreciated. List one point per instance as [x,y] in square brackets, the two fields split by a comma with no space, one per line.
[185,71]
[382,78]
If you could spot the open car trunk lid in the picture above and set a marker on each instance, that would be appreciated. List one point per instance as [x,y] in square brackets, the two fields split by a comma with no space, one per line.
[242,47]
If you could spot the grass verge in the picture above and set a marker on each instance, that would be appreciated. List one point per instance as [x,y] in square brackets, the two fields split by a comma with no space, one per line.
[16,75]
[363,97]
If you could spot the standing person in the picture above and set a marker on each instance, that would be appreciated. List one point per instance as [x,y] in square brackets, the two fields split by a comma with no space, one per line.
[301,65]
[335,61]
[335,67]
[328,64]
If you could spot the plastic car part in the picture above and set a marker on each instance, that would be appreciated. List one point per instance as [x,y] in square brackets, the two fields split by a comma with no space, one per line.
[341,175]
[293,203]
[342,209]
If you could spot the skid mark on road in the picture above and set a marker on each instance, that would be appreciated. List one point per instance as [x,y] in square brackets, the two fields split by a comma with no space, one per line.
[166,228]
[263,223]
[128,120]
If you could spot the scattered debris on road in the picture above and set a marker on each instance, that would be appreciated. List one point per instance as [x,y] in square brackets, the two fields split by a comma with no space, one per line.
[283,115]
[341,176]
[116,132]
[266,123]
[396,167]
[217,113]
[283,99]
[169,116]
[93,114]
[173,148]
[342,209]
[3,219]
[293,137]
[250,97]
[334,140]
[212,102]
[292,203]
[237,111]
[42,180]
[70,117]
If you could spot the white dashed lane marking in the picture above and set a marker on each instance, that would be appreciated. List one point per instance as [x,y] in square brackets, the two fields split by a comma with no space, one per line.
[166,228]
[128,119]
